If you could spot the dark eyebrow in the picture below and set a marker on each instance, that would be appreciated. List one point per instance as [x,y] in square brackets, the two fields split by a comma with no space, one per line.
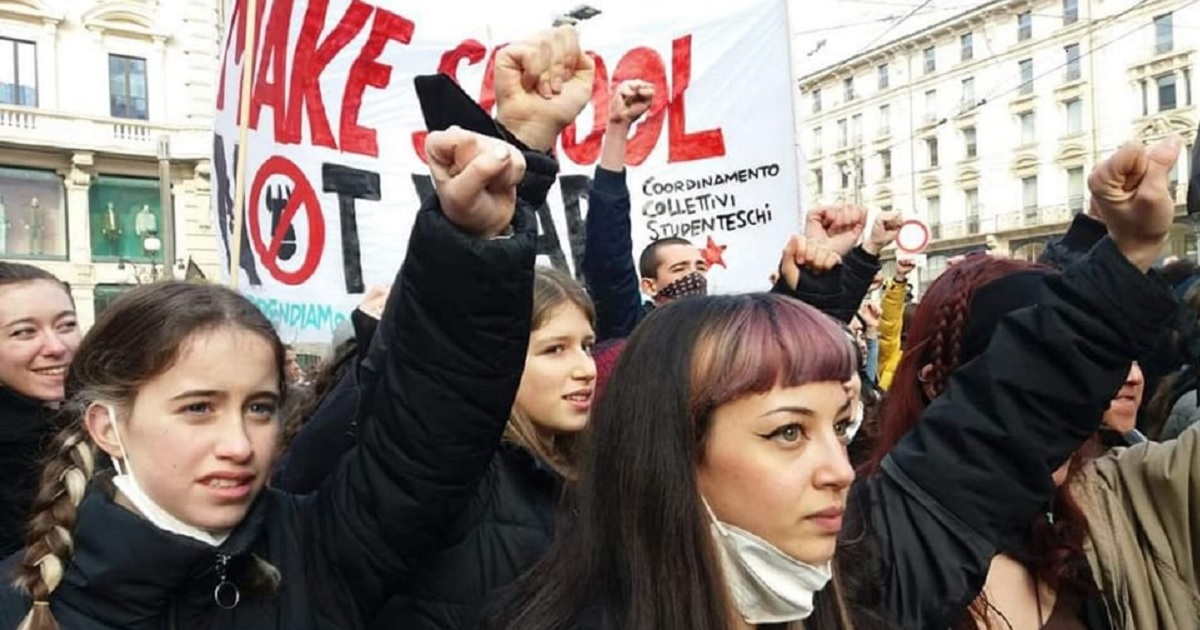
[804,411]
[197,393]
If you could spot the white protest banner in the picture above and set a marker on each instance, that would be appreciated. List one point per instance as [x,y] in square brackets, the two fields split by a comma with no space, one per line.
[335,172]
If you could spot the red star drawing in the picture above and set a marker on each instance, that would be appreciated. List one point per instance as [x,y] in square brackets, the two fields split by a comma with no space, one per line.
[714,254]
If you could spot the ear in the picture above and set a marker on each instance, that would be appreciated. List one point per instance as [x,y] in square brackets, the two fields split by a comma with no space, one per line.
[925,375]
[99,426]
[649,287]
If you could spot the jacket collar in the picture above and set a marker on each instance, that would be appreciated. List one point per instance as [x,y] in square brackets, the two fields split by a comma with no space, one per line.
[22,418]
[126,572]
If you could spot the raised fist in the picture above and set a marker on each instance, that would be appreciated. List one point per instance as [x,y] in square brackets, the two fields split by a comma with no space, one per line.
[800,253]
[883,231]
[837,227]
[541,85]
[904,266]
[476,178]
[631,100]
[1131,193]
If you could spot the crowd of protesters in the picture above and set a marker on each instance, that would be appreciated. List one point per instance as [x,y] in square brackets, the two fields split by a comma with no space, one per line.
[493,444]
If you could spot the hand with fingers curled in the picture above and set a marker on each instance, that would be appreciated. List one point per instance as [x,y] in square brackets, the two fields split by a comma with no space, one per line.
[542,84]
[476,178]
[1131,192]
[631,100]
[837,227]
[375,300]
[887,225]
[804,253]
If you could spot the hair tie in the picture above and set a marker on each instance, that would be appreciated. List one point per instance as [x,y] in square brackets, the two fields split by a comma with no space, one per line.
[41,602]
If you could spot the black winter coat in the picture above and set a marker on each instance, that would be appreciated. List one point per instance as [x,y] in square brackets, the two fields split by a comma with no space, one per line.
[507,527]
[25,431]
[458,322]
[975,472]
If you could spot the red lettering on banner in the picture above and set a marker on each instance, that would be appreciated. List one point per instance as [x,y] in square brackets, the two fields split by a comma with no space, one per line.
[367,70]
[587,150]
[238,41]
[269,85]
[311,59]
[645,64]
[470,50]
[683,146]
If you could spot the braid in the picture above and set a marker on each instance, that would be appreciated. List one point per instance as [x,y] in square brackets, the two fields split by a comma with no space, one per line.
[946,343]
[49,546]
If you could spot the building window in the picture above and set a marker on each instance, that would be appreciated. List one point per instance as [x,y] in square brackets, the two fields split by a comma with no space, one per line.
[1166,92]
[885,161]
[1028,129]
[1164,33]
[1074,109]
[968,93]
[971,199]
[816,100]
[1070,11]
[818,140]
[843,134]
[930,60]
[1073,70]
[882,72]
[1075,188]
[844,170]
[931,105]
[33,214]
[931,152]
[933,215]
[1026,76]
[819,178]
[966,43]
[969,143]
[18,72]
[127,87]
[885,120]
[1029,196]
[123,212]
[848,89]
[856,134]
[106,294]
[1024,26]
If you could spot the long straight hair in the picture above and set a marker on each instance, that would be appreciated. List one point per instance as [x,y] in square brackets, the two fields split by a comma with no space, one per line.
[553,290]
[634,539]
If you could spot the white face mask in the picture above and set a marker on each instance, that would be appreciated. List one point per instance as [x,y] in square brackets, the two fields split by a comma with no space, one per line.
[767,585]
[128,485]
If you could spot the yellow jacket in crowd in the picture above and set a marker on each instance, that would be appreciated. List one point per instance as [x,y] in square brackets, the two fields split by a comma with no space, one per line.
[891,324]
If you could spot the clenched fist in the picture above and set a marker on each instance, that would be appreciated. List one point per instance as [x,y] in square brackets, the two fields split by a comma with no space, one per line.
[541,86]
[1131,192]
[476,178]
[631,100]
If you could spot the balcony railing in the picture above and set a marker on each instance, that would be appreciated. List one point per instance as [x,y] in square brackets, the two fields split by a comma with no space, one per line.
[25,125]
[977,225]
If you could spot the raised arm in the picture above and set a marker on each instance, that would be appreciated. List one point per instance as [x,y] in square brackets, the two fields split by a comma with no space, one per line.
[976,470]
[456,329]
[608,266]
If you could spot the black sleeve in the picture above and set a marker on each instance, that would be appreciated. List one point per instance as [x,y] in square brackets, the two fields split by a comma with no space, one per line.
[455,330]
[976,470]
[329,434]
[364,332]
[838,292]
[1080,238]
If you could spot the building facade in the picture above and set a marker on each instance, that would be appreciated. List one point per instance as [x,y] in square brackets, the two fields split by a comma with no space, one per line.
[986,125]
[92,94]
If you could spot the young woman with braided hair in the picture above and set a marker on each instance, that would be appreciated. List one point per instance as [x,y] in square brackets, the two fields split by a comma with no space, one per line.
[178,386]
[1113,548]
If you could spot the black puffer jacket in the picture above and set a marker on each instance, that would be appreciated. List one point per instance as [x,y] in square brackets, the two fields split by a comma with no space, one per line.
[25,430]
[508,526]
[458,320]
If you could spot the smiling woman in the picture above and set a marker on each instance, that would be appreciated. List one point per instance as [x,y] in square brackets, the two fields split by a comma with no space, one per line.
[38,338]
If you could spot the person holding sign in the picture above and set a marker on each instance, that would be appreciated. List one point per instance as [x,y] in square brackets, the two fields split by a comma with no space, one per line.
[178,385]
[716,484]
